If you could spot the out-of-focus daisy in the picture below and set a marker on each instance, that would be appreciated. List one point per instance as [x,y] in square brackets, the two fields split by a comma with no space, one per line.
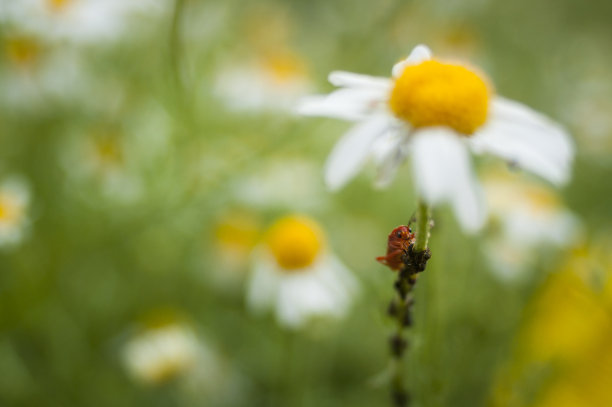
[437,112]
[99,157]
[74,20]
[14,200]
[525,217]
[36,74]
[273,82]
[562,355]
[588,112]
[235,235]
[297,276]
[284,183]
[161,353]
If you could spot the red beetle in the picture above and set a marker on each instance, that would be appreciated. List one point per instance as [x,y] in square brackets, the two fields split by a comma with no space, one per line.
[398,243]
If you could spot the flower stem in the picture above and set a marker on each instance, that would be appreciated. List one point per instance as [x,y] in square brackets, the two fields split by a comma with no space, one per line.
[414,262]
[422,227]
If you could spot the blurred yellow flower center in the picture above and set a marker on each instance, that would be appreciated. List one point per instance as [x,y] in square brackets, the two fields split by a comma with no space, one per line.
[239,231]
[542,200]
[57,5]
[433,93]
[284,67]
[10,211]
[108,151]
[22,51]
[295,242]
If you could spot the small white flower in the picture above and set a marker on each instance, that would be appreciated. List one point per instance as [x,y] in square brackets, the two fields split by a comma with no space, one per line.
[437,113]
[83,21]
[36,74]
[283,183]
[100,159]
[294,275]
[14,200]
[527,218]
[271,83]
[235,235]
[159,354]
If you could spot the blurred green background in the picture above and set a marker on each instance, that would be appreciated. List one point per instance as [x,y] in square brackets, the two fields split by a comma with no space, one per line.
[147,145]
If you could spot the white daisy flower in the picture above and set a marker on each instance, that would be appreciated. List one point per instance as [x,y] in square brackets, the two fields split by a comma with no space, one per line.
[159,354]
[36,75]
[289,182]
[273,82]
[14,201]
[100,158]
[296,276]
[235,235]
[528,217]
[437,112]
[75,20]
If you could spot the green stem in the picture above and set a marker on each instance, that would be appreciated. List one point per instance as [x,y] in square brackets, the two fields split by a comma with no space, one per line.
[422,227]
[415,260]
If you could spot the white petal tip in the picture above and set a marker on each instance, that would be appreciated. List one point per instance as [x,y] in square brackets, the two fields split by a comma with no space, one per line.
[336,78]
[419,54]
[422,51]
[304,109]
[333,181]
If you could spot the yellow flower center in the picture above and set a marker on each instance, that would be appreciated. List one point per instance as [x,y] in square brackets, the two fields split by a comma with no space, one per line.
[10,210]
[433,93]
[108,151]
[542,200]
[284,67]
[22,51]
[239,231]
[295,242]
[57,5]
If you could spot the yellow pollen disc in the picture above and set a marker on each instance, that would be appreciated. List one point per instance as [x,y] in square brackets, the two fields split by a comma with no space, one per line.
[433,93]
[541,199]
[238,231]
[57,5]
[108,151]
[284,67]
[295,242]
[22,51]
[10,211]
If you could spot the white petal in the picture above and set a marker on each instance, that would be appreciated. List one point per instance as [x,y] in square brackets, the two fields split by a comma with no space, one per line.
[263,285]
[389,153]
[348,103]
[327,289]
[355,80]
[527,230]
[419,54]
[443,172]
[353,149]
[339,280]
[527,139]
[303,296]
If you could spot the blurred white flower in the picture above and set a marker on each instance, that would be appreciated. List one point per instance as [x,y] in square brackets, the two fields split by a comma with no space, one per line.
[99,159]
[14,201]
[286,183]
[588,111]
[528,217]
[295,275]
[274,82]
[236,233]
[437,112]
[37,76]
[82,21]
[162,353]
